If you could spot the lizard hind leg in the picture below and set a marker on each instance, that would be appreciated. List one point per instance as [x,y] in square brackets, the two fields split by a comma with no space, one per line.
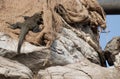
[14,26]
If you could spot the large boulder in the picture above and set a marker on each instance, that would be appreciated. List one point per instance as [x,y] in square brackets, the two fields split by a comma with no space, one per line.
[66,49]
[76,41]
[112,49]
[82,70]
[10,69]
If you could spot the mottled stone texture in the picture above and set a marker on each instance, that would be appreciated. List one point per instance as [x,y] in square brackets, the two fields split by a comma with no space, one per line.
[82,70]
[10,69]
[75,51]
[112,51]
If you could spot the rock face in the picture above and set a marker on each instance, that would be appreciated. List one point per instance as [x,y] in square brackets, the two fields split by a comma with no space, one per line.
[67,49]
[74,51]
[10,69]
[82,70]
[112,51]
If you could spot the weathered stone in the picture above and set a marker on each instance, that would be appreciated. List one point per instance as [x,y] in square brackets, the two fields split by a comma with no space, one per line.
[71,46]
[74,43]
[10,69]
[82,70]
[112,49]
[68,48]
[8,46]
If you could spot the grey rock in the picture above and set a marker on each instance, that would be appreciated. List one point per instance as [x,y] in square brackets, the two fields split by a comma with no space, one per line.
[10,69]
[112,49]
[8,46]
[71,46]
[68,48]
[82,70]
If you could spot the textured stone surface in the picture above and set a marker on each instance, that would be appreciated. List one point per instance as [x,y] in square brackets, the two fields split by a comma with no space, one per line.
[66,49]
[69,47]
[72,47]
[13,70]
[75,43]
[82,70]
[9,46]
[112,49]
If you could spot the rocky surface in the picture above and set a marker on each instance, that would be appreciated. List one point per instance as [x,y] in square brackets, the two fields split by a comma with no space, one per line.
[68,48]
[10,69]
[74,54]
[82,70]
[112,51]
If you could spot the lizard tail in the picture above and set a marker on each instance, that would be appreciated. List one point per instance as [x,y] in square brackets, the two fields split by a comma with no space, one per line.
[24,31]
